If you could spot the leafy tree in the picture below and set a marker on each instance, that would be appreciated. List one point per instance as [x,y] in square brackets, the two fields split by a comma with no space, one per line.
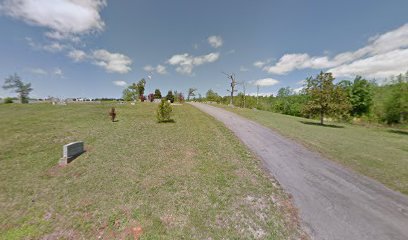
[130,93]
[8,100]
[170,96]
[191,93]
[164,112]
[325,98]
[157,94]
[140,87]
[212,96]
[284,92]
[23,90]
[361,96]
[396,106]
[134,91]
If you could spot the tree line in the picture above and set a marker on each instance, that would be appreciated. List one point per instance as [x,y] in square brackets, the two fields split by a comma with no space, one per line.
[322,98]
[136,91]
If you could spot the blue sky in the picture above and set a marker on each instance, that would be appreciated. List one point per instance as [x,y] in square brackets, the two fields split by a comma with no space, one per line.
[94,48]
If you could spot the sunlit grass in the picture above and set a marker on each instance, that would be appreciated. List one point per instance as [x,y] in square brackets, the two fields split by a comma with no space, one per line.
[187,179]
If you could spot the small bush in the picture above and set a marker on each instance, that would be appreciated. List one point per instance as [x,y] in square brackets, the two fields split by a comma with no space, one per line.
[8,100]
[164,112]
[150,97]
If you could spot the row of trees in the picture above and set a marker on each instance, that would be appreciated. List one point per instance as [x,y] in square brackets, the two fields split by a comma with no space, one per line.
[136,92]
[321,97]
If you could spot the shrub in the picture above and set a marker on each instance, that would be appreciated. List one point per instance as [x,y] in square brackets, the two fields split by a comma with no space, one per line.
[8,100]
[164,112]
[150,97]
[170,96]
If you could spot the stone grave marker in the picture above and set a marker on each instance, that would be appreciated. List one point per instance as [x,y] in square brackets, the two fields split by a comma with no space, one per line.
[71,151]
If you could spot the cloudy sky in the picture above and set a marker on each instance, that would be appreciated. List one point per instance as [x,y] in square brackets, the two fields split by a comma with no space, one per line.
[95,48]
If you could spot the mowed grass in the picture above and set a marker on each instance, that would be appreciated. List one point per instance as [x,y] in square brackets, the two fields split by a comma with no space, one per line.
[378,152]
[188,179]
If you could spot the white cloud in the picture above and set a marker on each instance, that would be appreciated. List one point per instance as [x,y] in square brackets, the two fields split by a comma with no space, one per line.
[384,55]
[54,47]
[243,69]
[120,83]
[215,41]
[377,66]
[185,63]
[148,68]
[66,17]
[61,36]
[265,82]
[112,62]
[77,55]
[38,71]
[160,69]
[259,64]
[58,72]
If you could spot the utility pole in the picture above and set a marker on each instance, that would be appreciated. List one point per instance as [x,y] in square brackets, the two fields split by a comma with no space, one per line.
[233,84]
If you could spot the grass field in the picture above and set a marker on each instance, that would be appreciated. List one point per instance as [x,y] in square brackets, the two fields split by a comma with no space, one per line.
[188,179]
[378,152]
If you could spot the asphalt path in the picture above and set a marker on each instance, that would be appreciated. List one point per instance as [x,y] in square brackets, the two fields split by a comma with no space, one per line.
[333,202]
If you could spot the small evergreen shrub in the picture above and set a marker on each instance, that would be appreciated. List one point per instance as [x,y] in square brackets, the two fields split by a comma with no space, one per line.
[164,112]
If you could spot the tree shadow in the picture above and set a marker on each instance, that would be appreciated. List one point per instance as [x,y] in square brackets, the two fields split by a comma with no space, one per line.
[318,124]
[167,121]
[402,132]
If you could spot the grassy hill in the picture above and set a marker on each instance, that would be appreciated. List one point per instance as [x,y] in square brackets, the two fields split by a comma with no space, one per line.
[188,179]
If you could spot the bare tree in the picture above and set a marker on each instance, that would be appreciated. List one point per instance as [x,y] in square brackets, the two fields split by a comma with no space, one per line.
[191,93]
[233,84]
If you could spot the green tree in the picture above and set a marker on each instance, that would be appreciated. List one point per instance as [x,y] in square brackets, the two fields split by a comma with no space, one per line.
[140,87]
[191,93]
[361,96]
[22,89]
[212,96]
[130,93]
[164,111]
[170,96]
[396,106]
[157,94]
[325,98]
[8,100]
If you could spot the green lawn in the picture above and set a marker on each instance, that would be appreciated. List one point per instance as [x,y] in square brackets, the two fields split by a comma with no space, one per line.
[188,179]
[378,152]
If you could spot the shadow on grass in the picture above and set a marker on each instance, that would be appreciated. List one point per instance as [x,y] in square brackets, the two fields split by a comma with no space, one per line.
[167,121]
[115,121]
[402,132]
[318,124]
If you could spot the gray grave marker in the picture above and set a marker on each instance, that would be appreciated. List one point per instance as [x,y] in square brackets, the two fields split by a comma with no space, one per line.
[71,151]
